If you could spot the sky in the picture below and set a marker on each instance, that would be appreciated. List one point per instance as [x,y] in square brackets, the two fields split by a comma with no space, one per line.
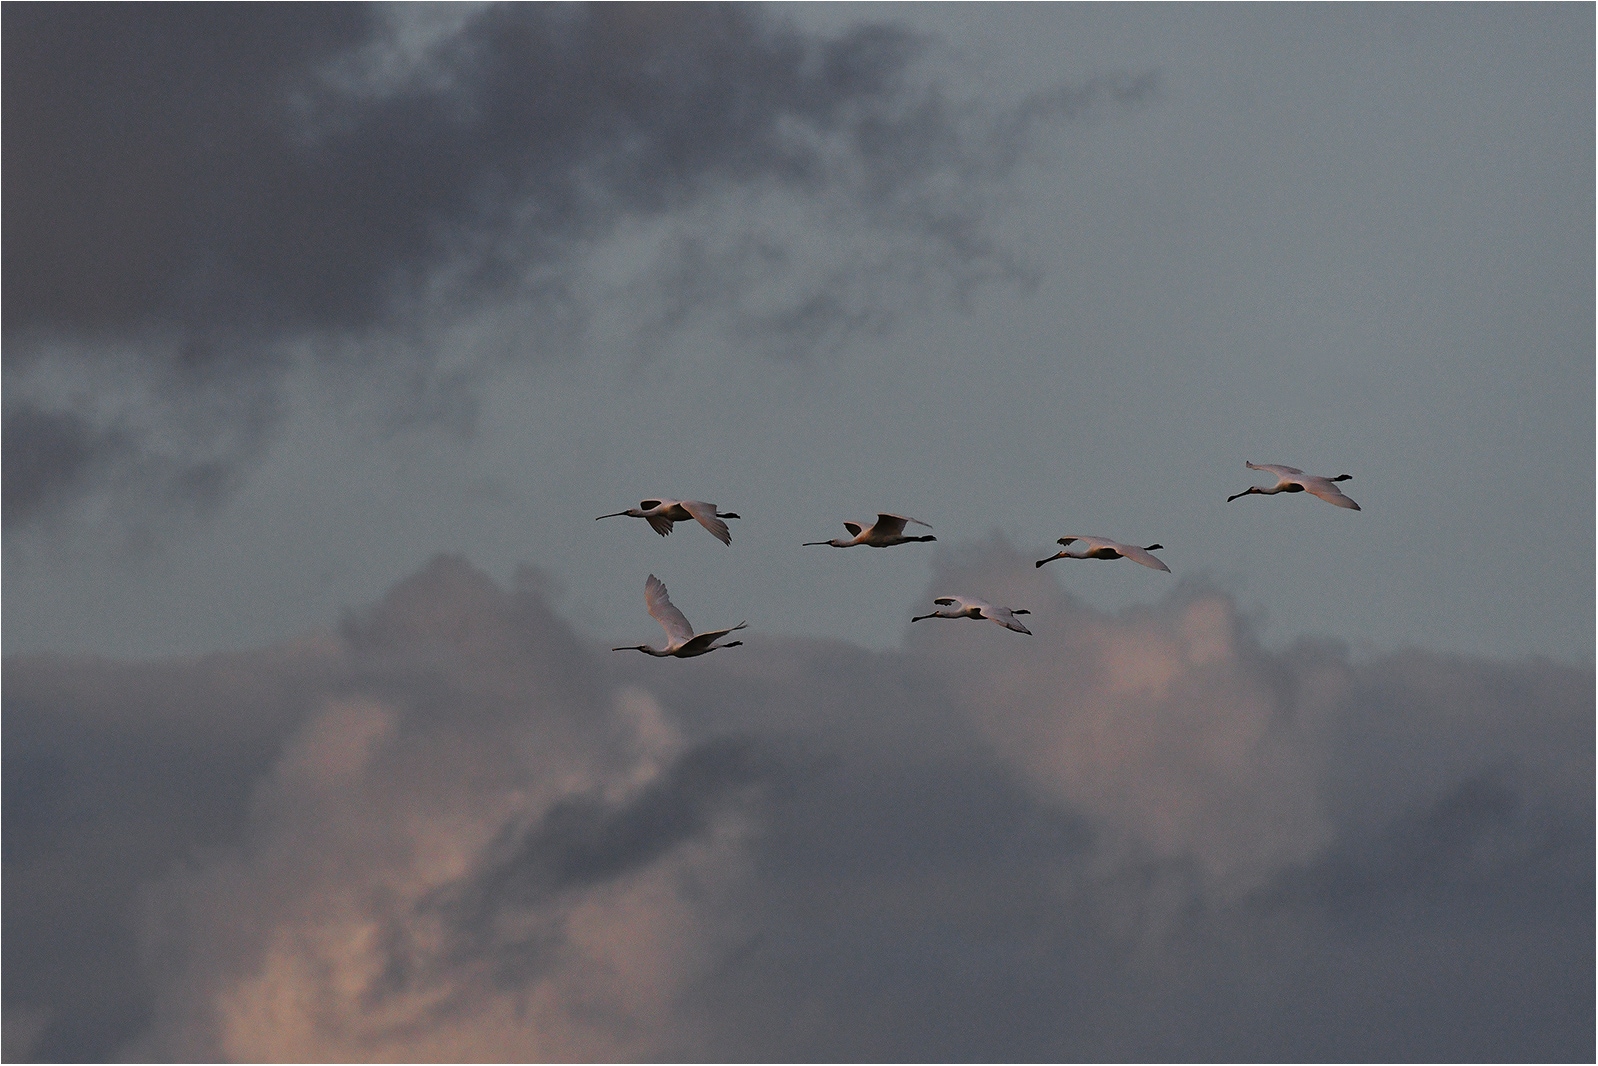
[329,331]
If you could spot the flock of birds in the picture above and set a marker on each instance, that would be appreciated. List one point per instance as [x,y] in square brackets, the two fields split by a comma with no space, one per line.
[888,530]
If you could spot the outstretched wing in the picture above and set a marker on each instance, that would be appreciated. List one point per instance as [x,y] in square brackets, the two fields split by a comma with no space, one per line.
[1327,491]
[659,523]
[1006,618]
[704,640]
[1141,555]
[889,525]
[949,601]
[893,524]
[1281,471]
[678,631]
[706,515]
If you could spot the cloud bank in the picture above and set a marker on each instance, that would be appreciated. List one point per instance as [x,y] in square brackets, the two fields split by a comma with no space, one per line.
[200,204]
[453,829]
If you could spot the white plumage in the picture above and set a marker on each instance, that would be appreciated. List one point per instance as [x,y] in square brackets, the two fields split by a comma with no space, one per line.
[887,531]
[966,607]
[660,514]
[681,641]
[1101,548]
[1292,479]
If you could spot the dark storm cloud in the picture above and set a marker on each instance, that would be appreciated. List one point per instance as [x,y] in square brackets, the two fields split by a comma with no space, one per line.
[144,142]
[584,841]
[1486,836]
[461,832]
[54,457]
[503,920]
[162,174]
[50,457]
[197,185]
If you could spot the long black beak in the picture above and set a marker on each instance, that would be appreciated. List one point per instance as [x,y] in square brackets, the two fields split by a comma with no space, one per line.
[618,514]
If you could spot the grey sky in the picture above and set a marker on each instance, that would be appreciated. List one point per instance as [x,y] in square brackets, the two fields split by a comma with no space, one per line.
[1351,241]
[295,302]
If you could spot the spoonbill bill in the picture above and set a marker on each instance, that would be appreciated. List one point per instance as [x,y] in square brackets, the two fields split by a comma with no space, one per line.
[1100,548]
[888,531]
[966,607]
[1292,479]
[660,514]
[681,641]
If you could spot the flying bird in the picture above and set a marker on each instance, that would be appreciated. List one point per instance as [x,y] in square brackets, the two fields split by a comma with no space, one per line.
[965,607]
[681,641]
[1292,479]
[660,514]
[888,531]
[1100,548]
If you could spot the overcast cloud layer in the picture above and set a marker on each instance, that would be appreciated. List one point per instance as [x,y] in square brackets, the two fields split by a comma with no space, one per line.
[454,829]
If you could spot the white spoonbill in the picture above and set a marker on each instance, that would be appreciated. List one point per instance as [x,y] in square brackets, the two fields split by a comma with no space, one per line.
[660,514]
[1100,548]
[681,639]
[888,531]
[1292,479]
[966,607]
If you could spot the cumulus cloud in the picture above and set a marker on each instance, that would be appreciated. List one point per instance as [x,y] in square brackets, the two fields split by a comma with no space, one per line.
[453,829]
[403,197]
